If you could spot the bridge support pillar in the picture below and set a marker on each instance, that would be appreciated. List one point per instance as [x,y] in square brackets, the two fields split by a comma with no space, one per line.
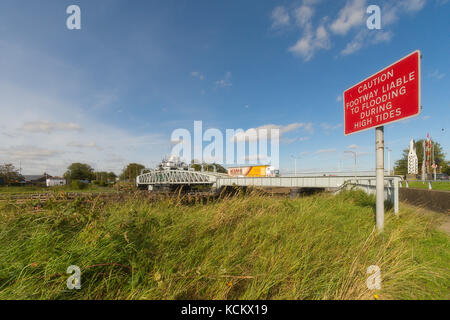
[295,193]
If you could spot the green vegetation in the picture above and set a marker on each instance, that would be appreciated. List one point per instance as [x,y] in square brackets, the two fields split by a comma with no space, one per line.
[4,190]
[208,167]
[401,165]
[79,171]
[131,171]
[9,174]
[437,185]
[242,247]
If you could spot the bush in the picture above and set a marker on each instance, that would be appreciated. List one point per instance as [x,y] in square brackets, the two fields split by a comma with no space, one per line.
[96,182]
[80,185]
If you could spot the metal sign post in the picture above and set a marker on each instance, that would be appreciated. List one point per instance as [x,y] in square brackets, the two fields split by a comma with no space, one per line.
[379,150]
[390,95]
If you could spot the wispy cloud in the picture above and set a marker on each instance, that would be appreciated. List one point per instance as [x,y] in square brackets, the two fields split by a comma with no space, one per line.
[198,75]
[325,151]
[366,38]
[49,127]
[311,42]
[280,17]
[437,75]
[351,16]
[27,152]
[353,146]
[250,133]
[329,127]
[350,21]
[90,144]
[225,82]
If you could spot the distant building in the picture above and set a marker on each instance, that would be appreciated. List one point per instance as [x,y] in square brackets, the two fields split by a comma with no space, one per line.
[55,181]
[413,162]
[35,179]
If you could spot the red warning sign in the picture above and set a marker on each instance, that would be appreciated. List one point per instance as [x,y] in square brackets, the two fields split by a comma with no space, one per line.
[390,95]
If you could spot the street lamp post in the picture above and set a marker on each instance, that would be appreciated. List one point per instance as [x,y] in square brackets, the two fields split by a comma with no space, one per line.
[356,168]
[389,160]
[295,164]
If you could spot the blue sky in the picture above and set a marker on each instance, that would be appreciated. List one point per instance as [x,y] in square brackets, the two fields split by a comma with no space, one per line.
[113,92]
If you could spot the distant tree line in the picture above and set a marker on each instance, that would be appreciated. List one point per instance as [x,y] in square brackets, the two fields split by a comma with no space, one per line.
[208,167]
[9,174]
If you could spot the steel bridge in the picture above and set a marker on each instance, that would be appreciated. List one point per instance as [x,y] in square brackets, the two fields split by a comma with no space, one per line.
[177,178]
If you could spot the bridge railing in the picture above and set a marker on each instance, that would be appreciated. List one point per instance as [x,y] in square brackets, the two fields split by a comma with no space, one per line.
[391,186]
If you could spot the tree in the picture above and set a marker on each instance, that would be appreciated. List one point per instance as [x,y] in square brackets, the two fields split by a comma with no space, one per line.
[111,177]
[131,171]
[10,174]
[209,167]
[401,165]
[79,171]
[445,167]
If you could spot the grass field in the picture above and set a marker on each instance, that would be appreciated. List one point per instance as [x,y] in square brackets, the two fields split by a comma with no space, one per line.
[38,189]
[245,247]
[436,185]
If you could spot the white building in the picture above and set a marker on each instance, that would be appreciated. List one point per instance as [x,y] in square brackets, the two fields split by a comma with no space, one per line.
[55,181]
[413,162]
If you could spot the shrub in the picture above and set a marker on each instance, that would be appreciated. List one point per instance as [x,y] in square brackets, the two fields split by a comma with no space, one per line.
[80,185]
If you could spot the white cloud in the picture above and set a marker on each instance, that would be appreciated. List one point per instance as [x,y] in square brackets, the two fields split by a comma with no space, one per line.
[391,12]
[23,111]
[364,38]
[351,16]
[311,42]
[437,75]
[412,5]
[353,146]
[280,17]
[328,127]
[48,127]
[249,134]
[196,74]
[303,15]
[301,139]
[225,82]
[255,158]
[325,151]
[23,153]
[288,140]
[339,98]
[90,144]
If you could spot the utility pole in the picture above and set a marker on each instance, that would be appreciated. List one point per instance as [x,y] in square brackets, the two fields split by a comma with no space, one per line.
[356,165]
[379,150]
[389,161]
[295,164]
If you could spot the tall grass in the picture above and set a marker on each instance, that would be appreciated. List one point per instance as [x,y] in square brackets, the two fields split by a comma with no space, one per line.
[244,247]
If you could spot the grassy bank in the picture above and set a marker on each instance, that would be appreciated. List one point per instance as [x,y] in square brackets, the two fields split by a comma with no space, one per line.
[436,185]
[5,190]
[250,247]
